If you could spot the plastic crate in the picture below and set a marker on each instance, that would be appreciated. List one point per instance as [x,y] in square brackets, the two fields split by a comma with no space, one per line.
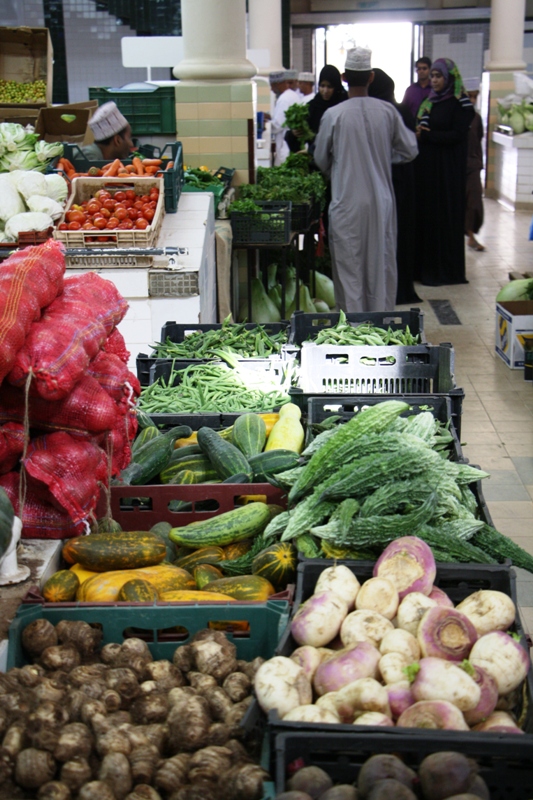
[319,408]
[504,764]
[225,174]
[149,113]
[177,332]
[157,624]
[305,327]
[270,226]
[25,239]
[301,216]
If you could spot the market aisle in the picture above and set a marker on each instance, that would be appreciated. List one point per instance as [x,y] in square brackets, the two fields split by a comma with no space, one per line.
[497,425]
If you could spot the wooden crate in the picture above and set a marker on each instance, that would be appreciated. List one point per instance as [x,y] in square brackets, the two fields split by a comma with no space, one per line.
[26,55]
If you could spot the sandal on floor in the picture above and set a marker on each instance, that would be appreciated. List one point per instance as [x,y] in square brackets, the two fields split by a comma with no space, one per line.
[476,246]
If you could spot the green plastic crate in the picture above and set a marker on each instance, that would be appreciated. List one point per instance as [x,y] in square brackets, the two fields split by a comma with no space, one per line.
[267,622]
[149,113]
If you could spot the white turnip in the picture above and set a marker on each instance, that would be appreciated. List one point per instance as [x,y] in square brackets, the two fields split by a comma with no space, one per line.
[499,722]
[392,665]
[503,657]
[311,713]
[340,580]
[408,563]
[308,658]
[365,694]
[378,594]
[400,641]
[400,697]
[364,626]
[440,597]
[374,718]
[346,666]
[488,697]
[319,619]
[437,679]
[434,715]
[327,701]
[489,610]
[282,685]
[411,610]
[445,633]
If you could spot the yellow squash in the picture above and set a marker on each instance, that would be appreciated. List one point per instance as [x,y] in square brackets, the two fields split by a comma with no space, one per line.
[287,433]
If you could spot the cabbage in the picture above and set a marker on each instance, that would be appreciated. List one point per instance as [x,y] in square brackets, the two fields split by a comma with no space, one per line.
[45,151]
[10,200]
[21,159]
[15,138]
[516,290]
[32,183]
[45,204]
[56,187]
[29,221]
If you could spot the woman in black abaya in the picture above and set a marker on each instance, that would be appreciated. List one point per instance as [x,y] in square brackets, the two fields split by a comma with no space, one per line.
[444,119]
[330,93]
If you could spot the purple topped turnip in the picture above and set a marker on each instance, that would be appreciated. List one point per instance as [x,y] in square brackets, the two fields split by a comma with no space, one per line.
[374,718]
[411,610]
[436,679]
[408,563]
[434,715]
[440,597]
[400,641]
[446,633]
[489,694]
[282,685]
[503,657]
[319,619]
[489,610]
[364,626]
[345,667]
[400,697]
[380,595]
[340,580]
[499,722]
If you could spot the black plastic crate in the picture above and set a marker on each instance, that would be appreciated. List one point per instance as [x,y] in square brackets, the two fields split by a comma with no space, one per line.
[149,113]
[301,216]
[272,225]
[225,174]
[504,762]
[305,327]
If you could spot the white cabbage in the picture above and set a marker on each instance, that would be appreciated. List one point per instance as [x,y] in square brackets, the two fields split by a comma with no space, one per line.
[29,221]
[45,204]
[56,187]
[32,183]
[10,200]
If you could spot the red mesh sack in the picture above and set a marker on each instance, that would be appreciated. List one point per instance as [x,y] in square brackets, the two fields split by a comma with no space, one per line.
[116,345]
[66,472]
[29,280]
[11,445]
[40,520]
[87,409]
[71,332]
[113,375]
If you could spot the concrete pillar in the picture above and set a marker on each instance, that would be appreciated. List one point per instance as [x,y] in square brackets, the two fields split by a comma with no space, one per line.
[214,41]
[507,35]
[264,29]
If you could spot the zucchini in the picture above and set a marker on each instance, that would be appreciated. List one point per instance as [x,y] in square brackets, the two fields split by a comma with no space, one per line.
[224,456]
[273,461]
[145,435]
[244,522]
[249,434]
[144,420]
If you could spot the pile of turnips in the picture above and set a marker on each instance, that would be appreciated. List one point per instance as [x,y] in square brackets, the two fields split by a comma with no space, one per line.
[441,776]
[395,651]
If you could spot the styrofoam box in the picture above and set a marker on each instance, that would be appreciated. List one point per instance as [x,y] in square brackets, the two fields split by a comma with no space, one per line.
[514,324]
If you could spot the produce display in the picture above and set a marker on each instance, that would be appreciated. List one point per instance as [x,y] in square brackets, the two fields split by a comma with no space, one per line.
[29,201]
[141,166]
[408,657]
[112,210]
[364,334]
[293,181]
[109,722]
[521,289]
[22,149]
[29,92]
[200,178]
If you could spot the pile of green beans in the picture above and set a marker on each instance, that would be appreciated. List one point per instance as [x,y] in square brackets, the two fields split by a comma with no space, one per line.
[345,334]
[231,337]
[216,388]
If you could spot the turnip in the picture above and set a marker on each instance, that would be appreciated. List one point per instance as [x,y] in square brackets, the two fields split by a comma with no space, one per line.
[488,697]
[433,714]
[384,790]
[408,563]
[362,695]
[347,665]
[378,594]
[445,633]
[308,658]
[392,665]
[319,619]
[411,610]
[327,701]
[382,767]
[311,713]
[364,626]
[293,795]
[503,657]
[282,685]
[342,791]
[489,610]
[312,780]
[325,653]
[440,597]
[499,722]
[400,697]
[436,679]
[341,581]
[400,641]
[445,773]
[374,718]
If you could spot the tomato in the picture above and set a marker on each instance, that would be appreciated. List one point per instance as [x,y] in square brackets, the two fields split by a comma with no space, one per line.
[105,212]
[148,213]
[119,196]
[128,224]
[141,223]
[75,216]
[62,226]
[112,223]
[128,203]
[75,207]
[100,222]
[138,205]
[74,226]
[102,194]
[87,226]
[130,194]
[109,204]
[121,213]
[133,213]
[93,206]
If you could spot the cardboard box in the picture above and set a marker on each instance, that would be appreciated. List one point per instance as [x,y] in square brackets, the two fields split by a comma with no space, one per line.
[26,55]
[53,128]
[514,325]
[21,116]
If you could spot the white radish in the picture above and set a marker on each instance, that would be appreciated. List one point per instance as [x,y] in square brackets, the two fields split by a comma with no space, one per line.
[311,713]
[437,679]
[488,610]
[400,641]
[374,718]
[503,657]
[378,594]
[364,626]
[319,619]
[360,696]
[308,658]
[282,685]
[340,580]
[411,610]
[392,666]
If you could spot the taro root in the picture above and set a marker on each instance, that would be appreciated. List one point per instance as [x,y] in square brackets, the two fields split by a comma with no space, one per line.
[293,795]
[41,735]
[203,791]
[96,790]
[48,689]
[115,770]
[61,656]
[34,767]
[157,735]
[111,700]
[114,741]
[219,703]
[80,634]
[15,738]
[172,772]
[7,765]
[165,674]
[189,725]
[382,767]
[143,762]
[54,790]
[148,687]
[91,710]
[237,686]
[209,763]
[51,713]
[236,714]
[218,734]
[109,653]
[446,773]
[183,658]
[75,739]
[242,782]
[124,681]
[384,790]
[312,780]
[150,708]
[31,675]
[75,773]
[202,683]
[38,636]
[144,792]
[238,750]
[180,696]
[87,673]
[19,702]
[214,657]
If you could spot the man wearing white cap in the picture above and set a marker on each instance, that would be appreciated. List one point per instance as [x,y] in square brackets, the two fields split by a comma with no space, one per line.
[286,97]
[306,86]
[356,144]
[112,135]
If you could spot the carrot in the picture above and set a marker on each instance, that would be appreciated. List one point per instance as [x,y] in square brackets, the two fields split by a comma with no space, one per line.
[151,162]
[151,170]
[138,164]
[111,170]
[69,166]
[130,168]
[169,165]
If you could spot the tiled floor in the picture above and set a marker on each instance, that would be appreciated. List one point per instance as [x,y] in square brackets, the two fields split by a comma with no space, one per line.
[497,424]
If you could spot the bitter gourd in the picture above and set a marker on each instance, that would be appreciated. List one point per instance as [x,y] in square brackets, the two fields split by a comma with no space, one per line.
[500,547]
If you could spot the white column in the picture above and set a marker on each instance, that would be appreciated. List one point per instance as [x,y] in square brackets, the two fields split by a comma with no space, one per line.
[264,29]
[214,41]
[507,35]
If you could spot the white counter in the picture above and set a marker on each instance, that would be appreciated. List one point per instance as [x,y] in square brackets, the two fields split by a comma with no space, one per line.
[513,169]
[189,289]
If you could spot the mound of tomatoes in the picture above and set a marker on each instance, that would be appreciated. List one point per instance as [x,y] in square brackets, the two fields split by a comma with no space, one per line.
[120,210]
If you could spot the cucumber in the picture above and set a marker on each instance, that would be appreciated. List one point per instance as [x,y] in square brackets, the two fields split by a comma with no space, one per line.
[240,477]
[249,434]
[145,435]
[272,462]
[188,450]
[144,420]
[244,522]
[226,459]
